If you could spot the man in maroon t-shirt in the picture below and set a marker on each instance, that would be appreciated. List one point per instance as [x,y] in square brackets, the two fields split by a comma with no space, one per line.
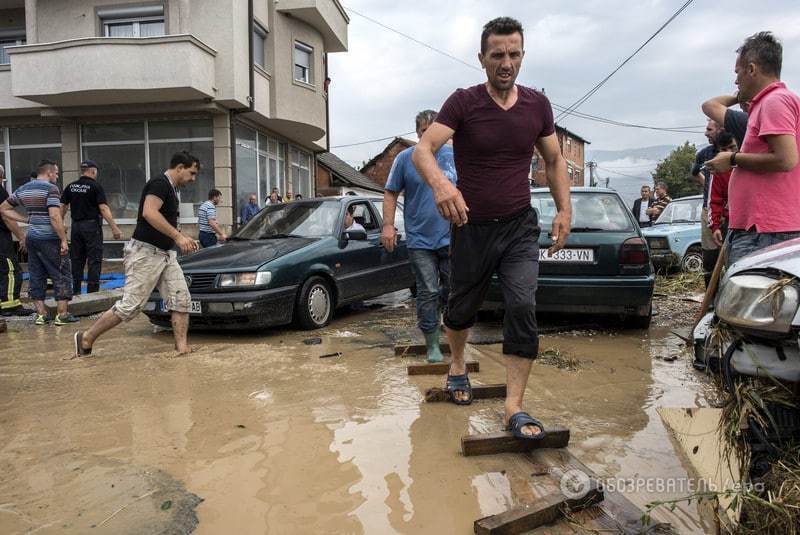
[495,127]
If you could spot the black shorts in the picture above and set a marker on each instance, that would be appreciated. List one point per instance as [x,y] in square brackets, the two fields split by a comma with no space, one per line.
[510,248]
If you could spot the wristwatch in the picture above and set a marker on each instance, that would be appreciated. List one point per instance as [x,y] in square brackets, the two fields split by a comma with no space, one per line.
[733,158]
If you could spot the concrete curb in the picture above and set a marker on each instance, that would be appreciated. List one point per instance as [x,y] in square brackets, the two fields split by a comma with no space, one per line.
[88,304]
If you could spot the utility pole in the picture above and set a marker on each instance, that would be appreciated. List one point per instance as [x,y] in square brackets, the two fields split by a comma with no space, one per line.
[592,181]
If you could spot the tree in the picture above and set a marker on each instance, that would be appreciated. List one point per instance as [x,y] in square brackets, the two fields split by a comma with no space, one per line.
[676,172]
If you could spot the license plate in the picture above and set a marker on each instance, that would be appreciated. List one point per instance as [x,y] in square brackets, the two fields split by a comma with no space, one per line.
[194,307]
[574,256]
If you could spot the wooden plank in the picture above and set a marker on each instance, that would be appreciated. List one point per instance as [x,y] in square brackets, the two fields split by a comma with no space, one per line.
[478,392]
[440,368]
[620,513]
[413,350]
[505,442]
[546,510]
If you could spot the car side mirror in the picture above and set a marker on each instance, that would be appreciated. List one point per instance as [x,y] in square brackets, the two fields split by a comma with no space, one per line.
[359,235]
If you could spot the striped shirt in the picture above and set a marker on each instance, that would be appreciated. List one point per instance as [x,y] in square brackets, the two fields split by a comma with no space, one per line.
[206,211]
[37,196]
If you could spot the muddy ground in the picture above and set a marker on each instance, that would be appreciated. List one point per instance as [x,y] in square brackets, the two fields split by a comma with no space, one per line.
[255,433]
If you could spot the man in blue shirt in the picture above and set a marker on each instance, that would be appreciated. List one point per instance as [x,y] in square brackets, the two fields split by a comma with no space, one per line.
[250,209]
[427,233]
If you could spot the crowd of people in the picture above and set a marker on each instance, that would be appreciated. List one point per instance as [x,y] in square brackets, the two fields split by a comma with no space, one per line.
[748,171]
[467,217]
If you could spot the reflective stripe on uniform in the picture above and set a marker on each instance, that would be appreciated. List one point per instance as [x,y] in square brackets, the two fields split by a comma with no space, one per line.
[10,302]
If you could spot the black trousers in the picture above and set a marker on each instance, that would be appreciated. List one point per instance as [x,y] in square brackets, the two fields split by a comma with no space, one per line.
[510,248]
[87,247]
[10,274]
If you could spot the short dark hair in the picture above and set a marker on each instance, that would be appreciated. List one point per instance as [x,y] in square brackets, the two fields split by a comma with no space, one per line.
[763,49]
[213,193]
[45,166]
[662,185]
[425,116]
[183,158]
[500,26]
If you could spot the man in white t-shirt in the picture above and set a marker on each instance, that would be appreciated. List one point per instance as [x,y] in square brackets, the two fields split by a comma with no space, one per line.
[640,207]
[350,223]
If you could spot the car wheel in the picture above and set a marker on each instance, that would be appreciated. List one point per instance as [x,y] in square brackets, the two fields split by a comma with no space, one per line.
[637,322]
[314,307]
[692,261]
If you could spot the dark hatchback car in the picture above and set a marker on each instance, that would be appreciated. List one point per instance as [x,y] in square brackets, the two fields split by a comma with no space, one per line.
[292,261]
[605,266]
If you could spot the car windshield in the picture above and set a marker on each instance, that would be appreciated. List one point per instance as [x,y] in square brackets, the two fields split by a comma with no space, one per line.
[681,211]
[302,219]
[591,211]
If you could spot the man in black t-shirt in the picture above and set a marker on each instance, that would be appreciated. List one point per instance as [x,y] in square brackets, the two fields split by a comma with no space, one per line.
[10,272]
[150,260]
[720,109]
[87,199]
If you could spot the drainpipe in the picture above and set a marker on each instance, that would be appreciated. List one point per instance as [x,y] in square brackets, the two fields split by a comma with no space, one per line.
[327,104]
[251,100]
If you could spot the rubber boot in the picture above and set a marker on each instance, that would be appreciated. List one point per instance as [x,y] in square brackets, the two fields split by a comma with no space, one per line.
[432,343]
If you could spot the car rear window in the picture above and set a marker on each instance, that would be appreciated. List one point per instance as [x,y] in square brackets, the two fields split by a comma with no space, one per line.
[591,211]
[688,211]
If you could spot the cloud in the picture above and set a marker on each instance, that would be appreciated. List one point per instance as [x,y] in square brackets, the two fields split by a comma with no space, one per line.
[385,79]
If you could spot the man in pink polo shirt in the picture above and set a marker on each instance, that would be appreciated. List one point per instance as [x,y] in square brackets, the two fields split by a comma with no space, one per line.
[764,190]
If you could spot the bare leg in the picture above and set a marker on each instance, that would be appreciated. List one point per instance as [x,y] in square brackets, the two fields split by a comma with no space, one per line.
[458,340]
[40,308]
[180,328]
[517,371]
[107,321]
[61,308]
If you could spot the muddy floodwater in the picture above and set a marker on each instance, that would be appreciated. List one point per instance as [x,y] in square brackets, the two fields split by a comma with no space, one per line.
[256,433]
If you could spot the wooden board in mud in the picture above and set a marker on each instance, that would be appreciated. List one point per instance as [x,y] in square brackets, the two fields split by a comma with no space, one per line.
[414,350]
[545,510]
[478,392]
[505,442]
[440,368]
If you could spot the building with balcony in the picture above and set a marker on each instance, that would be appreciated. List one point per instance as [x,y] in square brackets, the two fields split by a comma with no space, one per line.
[240,83]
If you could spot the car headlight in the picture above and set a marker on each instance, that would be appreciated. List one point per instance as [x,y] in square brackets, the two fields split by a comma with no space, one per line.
[758,302]
[248,278]
[658,243]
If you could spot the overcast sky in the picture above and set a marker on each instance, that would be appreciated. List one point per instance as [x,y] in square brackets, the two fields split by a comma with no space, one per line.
[384,79]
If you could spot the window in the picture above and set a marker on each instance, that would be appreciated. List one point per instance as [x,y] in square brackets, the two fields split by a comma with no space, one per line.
[143,21]
[363,216]
[303,56]
[128,154]
[301,172]
[259,45]
[24,148]
[260,165]
[10,38]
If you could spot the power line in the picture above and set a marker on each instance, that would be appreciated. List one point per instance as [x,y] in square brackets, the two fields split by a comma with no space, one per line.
[597,86]
[387,138]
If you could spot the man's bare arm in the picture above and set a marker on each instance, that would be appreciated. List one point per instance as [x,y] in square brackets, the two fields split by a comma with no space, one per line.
[388,232]
[105,211]
[11,217]
[448,199]
[557,180]
[58,225]
[716,108]
[150,212]
[781,158]
[216,228]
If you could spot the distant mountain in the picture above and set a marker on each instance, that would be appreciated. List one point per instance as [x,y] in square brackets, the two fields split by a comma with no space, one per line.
[656,153]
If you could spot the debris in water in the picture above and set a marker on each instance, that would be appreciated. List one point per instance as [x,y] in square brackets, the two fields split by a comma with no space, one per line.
[329,355]
[167,504]
[312,341]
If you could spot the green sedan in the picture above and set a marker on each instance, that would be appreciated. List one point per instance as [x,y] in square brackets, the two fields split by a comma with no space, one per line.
[605,266]
[293,262]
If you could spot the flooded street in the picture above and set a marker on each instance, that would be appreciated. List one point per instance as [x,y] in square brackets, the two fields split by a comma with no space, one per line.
[256,433]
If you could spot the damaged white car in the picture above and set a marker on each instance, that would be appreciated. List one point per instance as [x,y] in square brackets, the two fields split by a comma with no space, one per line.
[753,332]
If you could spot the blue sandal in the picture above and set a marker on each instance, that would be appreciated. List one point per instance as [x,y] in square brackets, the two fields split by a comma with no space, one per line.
[459,383]
[520,420]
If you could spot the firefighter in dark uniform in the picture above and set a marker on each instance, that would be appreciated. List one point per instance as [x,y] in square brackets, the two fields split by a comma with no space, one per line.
[10,272]
[87,201]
